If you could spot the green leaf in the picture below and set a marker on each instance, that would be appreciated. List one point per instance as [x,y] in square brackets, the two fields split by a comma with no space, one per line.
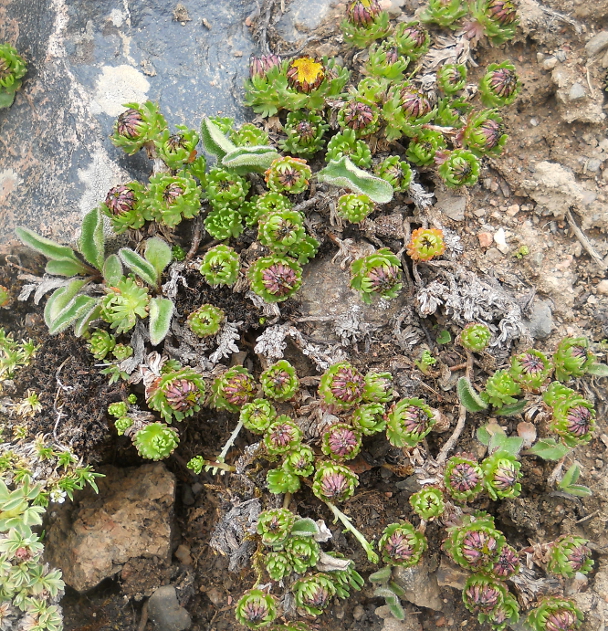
[139,265]
[92,238]
[483,436]
[598,370]
[444,337]
[548,449]
[161,312]
[59,300]
[578,490]
[345,174]
[305,527]
[51,249]
[257,158]
[81,326]
[571,476]
[510,444]
[511,409]
[6,98]
[468,397]
[112,270]
[75,309]
[396,589]
[214,142]
[381,576]
[395,607]
[158,253]
[63,268]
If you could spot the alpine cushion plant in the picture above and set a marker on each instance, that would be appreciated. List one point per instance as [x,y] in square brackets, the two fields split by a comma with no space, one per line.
[425,244]
[12,69]
[377,274]
[475,337]
[155,441]
[206,320]
[138,126]
[256,609]
[463,478]
[568,555]
[176,394]
[280,382]
[220,266]
[408,422]
[77,302]
[401,544]
[342,385]
[275,278]
[232,390]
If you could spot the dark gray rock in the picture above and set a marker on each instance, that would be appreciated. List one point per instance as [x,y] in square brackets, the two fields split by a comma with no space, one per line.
[165,611]
[86,59]
[540,321]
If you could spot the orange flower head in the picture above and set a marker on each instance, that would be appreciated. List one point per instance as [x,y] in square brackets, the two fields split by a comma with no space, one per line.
[426,244]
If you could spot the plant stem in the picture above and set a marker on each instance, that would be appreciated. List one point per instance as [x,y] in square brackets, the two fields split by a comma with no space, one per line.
[462,417]
[348,524]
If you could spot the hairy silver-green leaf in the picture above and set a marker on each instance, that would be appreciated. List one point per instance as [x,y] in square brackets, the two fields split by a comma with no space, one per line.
[214,141]
[598,370]
[548,449]
[161,312]
[76,308]
[112,270]
[158,253]
[468,397]
[51,249]
[512,409]
[345,174]
[139,265]
[81,326]
[63,268]
[381,576]
[305,527]
[92,238]
[246,159]
[59,299]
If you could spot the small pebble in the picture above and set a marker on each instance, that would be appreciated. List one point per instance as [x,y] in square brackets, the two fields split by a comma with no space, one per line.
[549,63]
[602,287]
[594,165]
[577,92]
[358,613]
[561,55]
[485,239]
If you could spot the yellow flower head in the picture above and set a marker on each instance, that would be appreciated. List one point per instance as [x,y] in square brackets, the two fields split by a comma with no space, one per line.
[305,74]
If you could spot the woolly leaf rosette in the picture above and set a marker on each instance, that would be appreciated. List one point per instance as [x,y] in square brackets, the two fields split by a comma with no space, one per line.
[280,382]
[206,320]
[463,478]
[408,422]
[282,436]
[275,526]
[341,442]
[176,150]
[555,614]
[232,390]
[475,544]
[220,266]
[172,198]
[156,441]
[401,544]
[256,609]
[275,278]
[288,175]
[177,394]
[257,415]
[568,555]
[334,482]
[377,274]
[123,205]
[426,244]
[137,126]
[123,304]
[501,474]
[313,594]
[342,385]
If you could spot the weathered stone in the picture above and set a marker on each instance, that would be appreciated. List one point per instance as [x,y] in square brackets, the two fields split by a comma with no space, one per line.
[451,575]
[597,43]
[165,611]
[540,321]
[577,92]
[99,534]
[419,585]
[451,204]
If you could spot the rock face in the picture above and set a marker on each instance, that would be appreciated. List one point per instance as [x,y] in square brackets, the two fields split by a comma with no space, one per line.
[165,611]
[129,519]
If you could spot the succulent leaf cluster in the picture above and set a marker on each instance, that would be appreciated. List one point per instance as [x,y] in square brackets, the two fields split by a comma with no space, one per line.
[378,274]
[220,266]
[401,544]
[280,382]
[12,70]
[408,421]
[177,394]
[568,555]
[206,320]
[232,390]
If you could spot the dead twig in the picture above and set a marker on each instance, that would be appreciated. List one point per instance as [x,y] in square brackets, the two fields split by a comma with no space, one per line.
[462,417]
[580,235]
